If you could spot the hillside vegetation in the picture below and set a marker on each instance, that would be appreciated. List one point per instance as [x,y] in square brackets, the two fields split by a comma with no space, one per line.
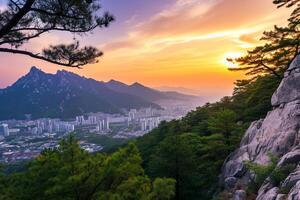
[192,150]
[187,154]
[69,173]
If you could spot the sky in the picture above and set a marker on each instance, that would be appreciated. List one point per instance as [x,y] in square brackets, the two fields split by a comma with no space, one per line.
[164,43]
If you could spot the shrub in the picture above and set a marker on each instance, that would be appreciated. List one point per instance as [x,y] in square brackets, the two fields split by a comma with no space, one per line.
[275,174]
[262,172]
[279,174]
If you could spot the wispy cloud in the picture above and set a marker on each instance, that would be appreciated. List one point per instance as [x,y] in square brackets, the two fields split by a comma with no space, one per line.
[190,20]
[190,39]
[182,44]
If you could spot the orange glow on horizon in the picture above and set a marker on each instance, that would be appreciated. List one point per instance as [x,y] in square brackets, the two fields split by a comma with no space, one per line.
[183,45]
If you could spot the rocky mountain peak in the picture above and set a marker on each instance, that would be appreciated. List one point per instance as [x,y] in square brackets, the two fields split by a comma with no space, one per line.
[32,77]
[34,68]
[277,134]
[136,84]
[115,82]
[40,93]
[35,71]
[65,73]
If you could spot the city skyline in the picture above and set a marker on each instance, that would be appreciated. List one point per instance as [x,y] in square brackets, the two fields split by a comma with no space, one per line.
[165,43]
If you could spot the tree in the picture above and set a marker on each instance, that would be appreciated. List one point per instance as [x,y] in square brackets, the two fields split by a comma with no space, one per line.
[280,48]
[194,161]
[223,122]
[24,20]
[69,173]
[287,3]
[175,158]
[252,99]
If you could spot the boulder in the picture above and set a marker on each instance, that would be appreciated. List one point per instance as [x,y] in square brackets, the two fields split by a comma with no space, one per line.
[292,157]
[269,195]
[234,169]
[230,183]
[251,132]
[239,195]
[294,194]
[277,134]
[281,197]
[289,89]
[291,180]
[267,191]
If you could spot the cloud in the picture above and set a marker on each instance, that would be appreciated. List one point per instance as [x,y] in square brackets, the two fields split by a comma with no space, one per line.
[182,44]
[182,17]
[191,20]
[188,40]
[119,45]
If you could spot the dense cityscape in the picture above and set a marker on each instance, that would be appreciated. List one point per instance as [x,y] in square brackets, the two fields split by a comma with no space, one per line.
[25,139]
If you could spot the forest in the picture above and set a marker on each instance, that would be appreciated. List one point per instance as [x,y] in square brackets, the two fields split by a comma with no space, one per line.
[179,160]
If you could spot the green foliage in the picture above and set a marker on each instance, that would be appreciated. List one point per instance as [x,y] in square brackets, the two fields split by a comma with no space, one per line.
[188,152]
[279,174]
[174,158]
[69,172]
[163,189]
[192,150]
[274,174]
[252,98]
[262,172]
[223,122]
[22,21]
[109,143]
[280,48]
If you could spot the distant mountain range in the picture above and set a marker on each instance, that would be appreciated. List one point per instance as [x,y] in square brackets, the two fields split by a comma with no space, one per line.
[179,89]
[146,93]
[66,95]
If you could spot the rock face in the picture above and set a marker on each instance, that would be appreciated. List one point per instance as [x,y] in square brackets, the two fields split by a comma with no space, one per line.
[239,195]
[295,192]
[289,88]
[278,134]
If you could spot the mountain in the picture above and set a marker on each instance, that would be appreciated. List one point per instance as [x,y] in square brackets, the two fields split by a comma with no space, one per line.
[147,93]
[64,95]
[277,135]
[179,89]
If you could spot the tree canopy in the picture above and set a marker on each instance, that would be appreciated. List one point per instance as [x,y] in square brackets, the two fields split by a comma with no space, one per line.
[24,20]
[69,173]
[281,46]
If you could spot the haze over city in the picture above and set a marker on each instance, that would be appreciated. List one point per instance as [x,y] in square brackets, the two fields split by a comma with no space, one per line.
[170,43]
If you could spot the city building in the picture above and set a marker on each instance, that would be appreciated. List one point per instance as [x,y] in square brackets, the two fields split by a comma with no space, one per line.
[4,130]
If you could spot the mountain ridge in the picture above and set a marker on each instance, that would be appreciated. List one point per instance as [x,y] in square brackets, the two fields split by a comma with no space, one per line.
[66,94]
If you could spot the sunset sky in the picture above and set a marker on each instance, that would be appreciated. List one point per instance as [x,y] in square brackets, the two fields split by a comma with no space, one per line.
[175,43]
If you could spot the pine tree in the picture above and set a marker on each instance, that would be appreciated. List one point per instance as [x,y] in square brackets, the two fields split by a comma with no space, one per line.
[69,173]
[24,20]
[280,48]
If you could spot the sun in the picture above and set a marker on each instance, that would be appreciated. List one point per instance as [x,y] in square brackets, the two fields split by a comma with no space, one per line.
[230,55]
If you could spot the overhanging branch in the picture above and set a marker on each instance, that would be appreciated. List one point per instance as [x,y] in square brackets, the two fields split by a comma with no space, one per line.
[16,18]
[26,38]
[53,28]
[58,14]
[37,56]
[270,69]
